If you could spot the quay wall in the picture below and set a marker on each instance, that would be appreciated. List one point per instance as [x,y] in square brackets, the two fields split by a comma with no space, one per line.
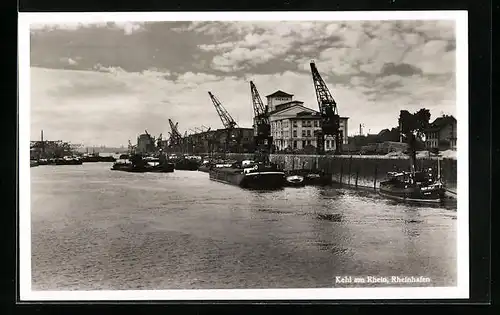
[360,170]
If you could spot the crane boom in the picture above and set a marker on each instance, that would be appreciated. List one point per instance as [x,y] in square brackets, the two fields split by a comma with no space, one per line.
[258,107]
[263,138]
[330,119]
[175,136]
[225,117]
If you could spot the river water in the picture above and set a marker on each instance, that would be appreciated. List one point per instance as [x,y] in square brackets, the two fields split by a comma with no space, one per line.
[93,228]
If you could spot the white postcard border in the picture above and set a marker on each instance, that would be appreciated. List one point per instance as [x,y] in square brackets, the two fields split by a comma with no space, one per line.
[460,291]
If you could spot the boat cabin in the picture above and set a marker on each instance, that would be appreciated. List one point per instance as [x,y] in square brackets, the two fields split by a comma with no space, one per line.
[419,178]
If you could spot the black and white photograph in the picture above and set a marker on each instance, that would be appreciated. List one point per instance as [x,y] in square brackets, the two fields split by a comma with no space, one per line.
[243,156]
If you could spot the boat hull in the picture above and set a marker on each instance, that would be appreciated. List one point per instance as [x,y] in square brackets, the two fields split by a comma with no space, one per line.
[204,168]
[187,165]
[412,193]
[165,168]
[256,180]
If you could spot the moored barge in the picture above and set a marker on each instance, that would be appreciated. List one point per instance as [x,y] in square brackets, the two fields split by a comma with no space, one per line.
[249,174]
[413,186]
[139,164]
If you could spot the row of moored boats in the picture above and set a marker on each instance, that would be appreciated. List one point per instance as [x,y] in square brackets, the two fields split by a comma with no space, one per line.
[423,186]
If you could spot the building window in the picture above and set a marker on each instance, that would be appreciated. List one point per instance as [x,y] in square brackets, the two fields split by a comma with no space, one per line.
[294,123]
[303,133]
[304,143]
[316,123]
[308,133]
[295,133]
[295,144]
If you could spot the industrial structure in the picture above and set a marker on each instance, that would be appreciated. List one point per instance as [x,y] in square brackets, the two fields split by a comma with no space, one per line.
[48,149]
[232,138]
[262,125]
[283,124]
[330,119]
[294,126]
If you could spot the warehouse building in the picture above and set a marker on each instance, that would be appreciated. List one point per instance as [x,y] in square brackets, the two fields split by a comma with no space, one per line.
[293,125]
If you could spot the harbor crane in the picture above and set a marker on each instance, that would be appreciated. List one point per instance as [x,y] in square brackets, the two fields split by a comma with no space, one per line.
[330,119]
[262,127]
[175,136]
[227,121]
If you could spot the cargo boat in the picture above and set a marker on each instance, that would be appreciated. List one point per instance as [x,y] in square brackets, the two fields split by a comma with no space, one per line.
[413,186]
[249,174]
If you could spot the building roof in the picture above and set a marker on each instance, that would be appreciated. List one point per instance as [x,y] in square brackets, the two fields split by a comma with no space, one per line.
[383,131]
[287,105]
[279,93]
[314,114]
[441,122]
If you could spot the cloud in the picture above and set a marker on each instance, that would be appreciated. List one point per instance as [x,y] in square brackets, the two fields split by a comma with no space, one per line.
[120,80]
[127,27]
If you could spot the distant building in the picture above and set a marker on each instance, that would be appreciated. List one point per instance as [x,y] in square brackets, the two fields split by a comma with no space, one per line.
[293,125]
[216,141]
[442,133]
[144,144]
[277,98]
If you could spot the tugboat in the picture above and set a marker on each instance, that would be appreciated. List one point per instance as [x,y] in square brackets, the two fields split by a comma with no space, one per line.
[413,186]
[160,164]
[134,163]
[249,174]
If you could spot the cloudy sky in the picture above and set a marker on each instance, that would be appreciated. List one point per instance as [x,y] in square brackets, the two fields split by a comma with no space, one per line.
[105,83]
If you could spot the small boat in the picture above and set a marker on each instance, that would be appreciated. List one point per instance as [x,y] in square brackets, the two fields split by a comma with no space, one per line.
[205,166]
[34,163]
[158,165]
[127,166]
[312,177]
[295,181]
[68,160]
[43,162]
[249,174]
[413,186]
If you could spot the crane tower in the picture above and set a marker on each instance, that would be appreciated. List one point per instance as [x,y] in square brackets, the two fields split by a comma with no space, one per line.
[330,119]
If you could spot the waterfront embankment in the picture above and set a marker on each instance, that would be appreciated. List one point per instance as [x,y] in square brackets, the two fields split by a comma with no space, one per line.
[361,170]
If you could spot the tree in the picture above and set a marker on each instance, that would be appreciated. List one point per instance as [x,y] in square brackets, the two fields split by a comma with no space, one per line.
[412,127]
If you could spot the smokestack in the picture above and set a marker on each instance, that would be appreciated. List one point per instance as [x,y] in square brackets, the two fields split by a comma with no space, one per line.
[41,135]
